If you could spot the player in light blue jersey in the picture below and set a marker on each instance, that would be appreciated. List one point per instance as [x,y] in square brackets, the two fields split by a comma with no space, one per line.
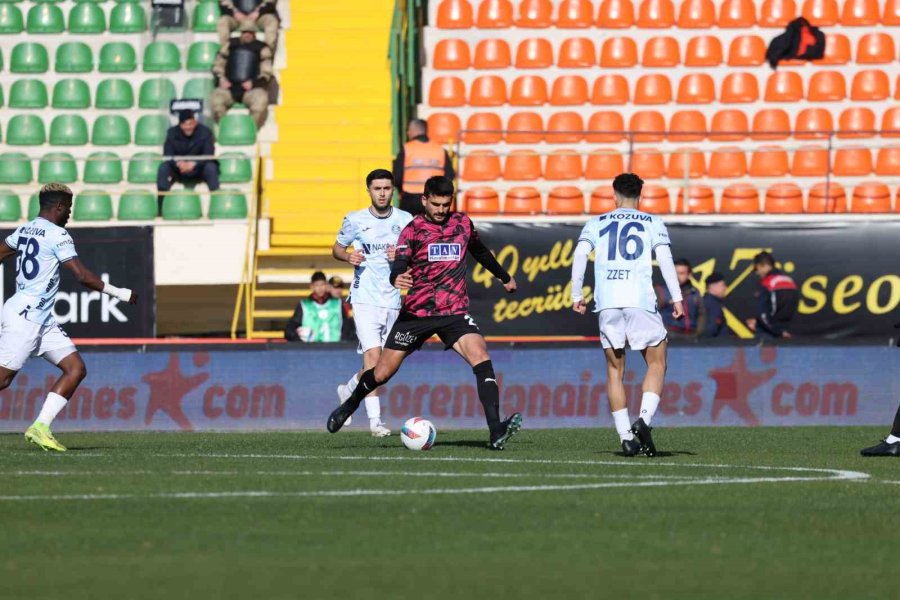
[27,326]
[623,242]
[367,240]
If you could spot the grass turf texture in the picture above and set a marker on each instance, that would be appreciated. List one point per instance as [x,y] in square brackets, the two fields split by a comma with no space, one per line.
[676,537]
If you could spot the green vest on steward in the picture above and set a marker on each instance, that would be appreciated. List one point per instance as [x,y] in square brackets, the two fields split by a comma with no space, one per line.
[324,319]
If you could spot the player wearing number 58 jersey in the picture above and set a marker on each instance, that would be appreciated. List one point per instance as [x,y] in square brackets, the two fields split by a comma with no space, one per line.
[27,326]
[623,242]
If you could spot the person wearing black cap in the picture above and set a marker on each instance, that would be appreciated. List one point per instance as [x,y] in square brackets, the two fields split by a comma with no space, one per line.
[188,138]
[713,301]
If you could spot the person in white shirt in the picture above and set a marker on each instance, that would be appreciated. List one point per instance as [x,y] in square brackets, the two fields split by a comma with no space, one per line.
[367,241]
[623,242]
[27,325]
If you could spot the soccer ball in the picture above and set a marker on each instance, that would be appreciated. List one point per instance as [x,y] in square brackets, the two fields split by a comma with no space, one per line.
[418,434]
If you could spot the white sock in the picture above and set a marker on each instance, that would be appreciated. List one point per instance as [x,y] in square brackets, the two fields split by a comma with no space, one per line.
[623,426]
[52,405]
[373,409]
[649,403]
[892,439]
[354,381]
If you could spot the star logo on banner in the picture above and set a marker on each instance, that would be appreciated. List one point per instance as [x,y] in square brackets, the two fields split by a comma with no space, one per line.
[169,387]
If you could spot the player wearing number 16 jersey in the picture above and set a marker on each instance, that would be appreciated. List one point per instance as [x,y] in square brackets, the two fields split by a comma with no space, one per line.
[623,242]
[27,326]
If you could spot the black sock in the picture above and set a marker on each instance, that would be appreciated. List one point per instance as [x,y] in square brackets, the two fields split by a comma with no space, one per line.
[489,394]
[895,430]
[366,384]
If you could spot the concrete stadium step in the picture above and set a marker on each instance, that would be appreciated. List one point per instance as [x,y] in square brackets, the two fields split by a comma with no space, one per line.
[340,20]
[322,241]
[333,133]
[360,148]
[339,170]
[281,293]
[377,115]
[268,335]
[320,191]
[272,314]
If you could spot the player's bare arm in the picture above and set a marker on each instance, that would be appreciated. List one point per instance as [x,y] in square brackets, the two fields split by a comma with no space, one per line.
[89,279]
[6,252]
[347,254]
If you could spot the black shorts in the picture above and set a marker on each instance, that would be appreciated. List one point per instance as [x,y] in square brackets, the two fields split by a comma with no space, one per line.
[410,332]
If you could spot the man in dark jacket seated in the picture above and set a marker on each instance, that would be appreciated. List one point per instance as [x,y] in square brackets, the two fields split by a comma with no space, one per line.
[188,138]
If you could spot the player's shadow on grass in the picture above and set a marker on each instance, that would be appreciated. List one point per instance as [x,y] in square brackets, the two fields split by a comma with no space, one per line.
[663,454]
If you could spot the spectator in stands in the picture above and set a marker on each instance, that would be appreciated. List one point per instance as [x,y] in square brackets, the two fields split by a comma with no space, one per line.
[188,138]
[778,298]
[262,13]
[243,70]
[418,160]
[713,304]
[321,317]
[690,326]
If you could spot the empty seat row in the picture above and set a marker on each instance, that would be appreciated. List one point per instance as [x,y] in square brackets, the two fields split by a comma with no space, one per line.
[655,14]
[662,51]
[657,88]
[234,129]
[115,57]
[109,94]
[606,126]
[88,18]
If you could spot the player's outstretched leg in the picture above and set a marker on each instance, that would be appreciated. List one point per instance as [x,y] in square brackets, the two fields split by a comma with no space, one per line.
[489,395]
[371,380]
[74,373]
[655,357]
[891,445]
[345,390]
[615,389]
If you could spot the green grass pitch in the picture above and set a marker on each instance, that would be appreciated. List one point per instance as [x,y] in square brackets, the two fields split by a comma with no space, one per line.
[725,513]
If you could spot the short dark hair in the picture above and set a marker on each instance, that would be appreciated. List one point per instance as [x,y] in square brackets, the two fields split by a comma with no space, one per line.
[764,258]
[683,262]
[714,277]
[420,123]
[54,193]
[379,174]
[439,186]
[318,276]
[628,185]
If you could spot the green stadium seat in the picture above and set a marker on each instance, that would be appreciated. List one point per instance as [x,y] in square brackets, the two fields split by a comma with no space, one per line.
[26,130]
[236,129]
[103,167]
[206,16]
[110,130]
[86,18]
[150,130]
[181,205]
[11,21]
[71,93]
[68,130]
[161,57]
[117,57]
[93,205]
[57,166]
[28,93]
[199,88]
[15,167]
[137,205]
[201,56]
[143,167]
[73,57]
[227,204]
[114,93]
[45,19]
[235,168]
[34,206]
[10,207]
[127,17]
[29,57]
[156,93]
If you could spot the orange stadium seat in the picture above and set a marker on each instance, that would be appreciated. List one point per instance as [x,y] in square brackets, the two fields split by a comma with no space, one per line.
[655,200]
[565,200]
[727,162]
[569,90]
[482,201]
[826,86]
[687,126]
[777,13]
[820,13]
[890,122]
[610,89]
[454,14]
[852,162]
[810,161]
[784,86]
[656,14]
[447,91]
[577,53]
[740,87]
[451,54]
[647,126]
[523,201]
[575,14]
[522,165]
[481,165]
[534,53]
[483,128]
[696,88]
[827,197]
[443,127]
[610,122]
[565,127]
[729,125]
[603,200]
[871,197]
[771,124]
[563,165]
[535,14]
[860,13]
[696,14]
[648,163]
[837,50]
[691,159]
[494,14]
[870,85]
[769,161]
[661,51]
[740,199]
[888,161]
[891,15]
[856,122]
[603,164]
[812,123]
[737,14]
[528,90]
[784,198]
[525,128]
[618,52]
[653,89]
[746,51]
[492,54]
[703,51]
[700,200]
[487,90]
[615,14]
[876,49]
